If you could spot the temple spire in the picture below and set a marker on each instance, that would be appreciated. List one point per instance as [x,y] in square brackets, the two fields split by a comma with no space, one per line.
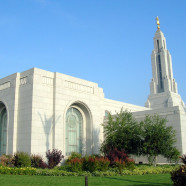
[163,87]
[158,22]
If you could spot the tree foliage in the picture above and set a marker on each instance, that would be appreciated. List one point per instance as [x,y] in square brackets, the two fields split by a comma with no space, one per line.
[150,137]
[158,139]
[122,131]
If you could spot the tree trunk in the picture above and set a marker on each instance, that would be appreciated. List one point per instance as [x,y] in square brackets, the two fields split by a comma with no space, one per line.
[155,161]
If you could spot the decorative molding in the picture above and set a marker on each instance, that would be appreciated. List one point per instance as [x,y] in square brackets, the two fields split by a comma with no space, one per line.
[47,80]
[76,86]
[5,85]
[23,81]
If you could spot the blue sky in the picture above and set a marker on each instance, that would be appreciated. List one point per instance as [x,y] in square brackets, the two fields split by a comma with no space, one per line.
[105,41]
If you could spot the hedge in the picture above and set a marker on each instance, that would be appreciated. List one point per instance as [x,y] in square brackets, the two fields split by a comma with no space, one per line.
[18,171]
[111,172]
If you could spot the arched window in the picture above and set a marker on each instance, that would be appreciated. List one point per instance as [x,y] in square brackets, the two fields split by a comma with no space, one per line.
[74,131]
[3,129]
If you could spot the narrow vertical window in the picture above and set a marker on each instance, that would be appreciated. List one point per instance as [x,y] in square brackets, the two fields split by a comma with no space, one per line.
[3,130]
[158,46]
[160,72]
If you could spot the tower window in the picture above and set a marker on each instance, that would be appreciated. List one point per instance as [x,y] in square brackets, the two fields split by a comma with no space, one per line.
[158,46]
[160,72]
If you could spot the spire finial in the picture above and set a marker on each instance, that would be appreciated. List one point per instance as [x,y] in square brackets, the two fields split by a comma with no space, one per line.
[158,22]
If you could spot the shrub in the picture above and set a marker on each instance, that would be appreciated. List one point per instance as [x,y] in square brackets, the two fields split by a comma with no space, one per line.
[103,163]
[98,163]
[114,155]
[54,157]
[37,162]
[179,176]
[120,159]
[6,160]
[183,159]
[139,170]
[90,164]
[21,159]
[75,164]
[130,164]
[43,165]
[18,171]
[74,155]
[94,163]
[119,164]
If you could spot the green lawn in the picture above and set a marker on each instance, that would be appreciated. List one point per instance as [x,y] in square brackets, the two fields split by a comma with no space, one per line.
[159,179]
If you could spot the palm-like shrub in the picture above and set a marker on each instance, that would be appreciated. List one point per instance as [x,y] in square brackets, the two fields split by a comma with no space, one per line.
[54,157]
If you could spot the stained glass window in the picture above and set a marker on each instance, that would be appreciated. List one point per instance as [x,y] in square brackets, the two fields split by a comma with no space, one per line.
[74,124]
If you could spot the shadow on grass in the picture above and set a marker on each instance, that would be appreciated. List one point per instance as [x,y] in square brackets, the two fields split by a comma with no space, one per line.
[138,182]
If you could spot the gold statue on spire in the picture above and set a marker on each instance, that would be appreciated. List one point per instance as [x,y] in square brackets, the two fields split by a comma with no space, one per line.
[158,22]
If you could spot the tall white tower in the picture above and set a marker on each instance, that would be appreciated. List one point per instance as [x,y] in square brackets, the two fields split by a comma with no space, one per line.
[163,87]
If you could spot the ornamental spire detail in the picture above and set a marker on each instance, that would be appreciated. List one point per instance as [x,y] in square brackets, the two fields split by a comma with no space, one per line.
[158,22]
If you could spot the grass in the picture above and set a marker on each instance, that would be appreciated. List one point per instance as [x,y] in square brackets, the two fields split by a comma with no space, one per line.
[150,180]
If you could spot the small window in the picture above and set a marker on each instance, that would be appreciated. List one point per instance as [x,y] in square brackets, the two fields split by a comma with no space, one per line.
[106,113]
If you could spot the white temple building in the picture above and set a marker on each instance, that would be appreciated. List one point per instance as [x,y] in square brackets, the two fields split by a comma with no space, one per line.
[41,110]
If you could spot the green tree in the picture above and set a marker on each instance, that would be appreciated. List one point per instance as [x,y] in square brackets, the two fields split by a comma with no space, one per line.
[122,131]
[158,139]
[172,155]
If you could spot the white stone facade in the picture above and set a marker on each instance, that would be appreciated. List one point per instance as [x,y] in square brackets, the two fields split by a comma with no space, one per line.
[37,103]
